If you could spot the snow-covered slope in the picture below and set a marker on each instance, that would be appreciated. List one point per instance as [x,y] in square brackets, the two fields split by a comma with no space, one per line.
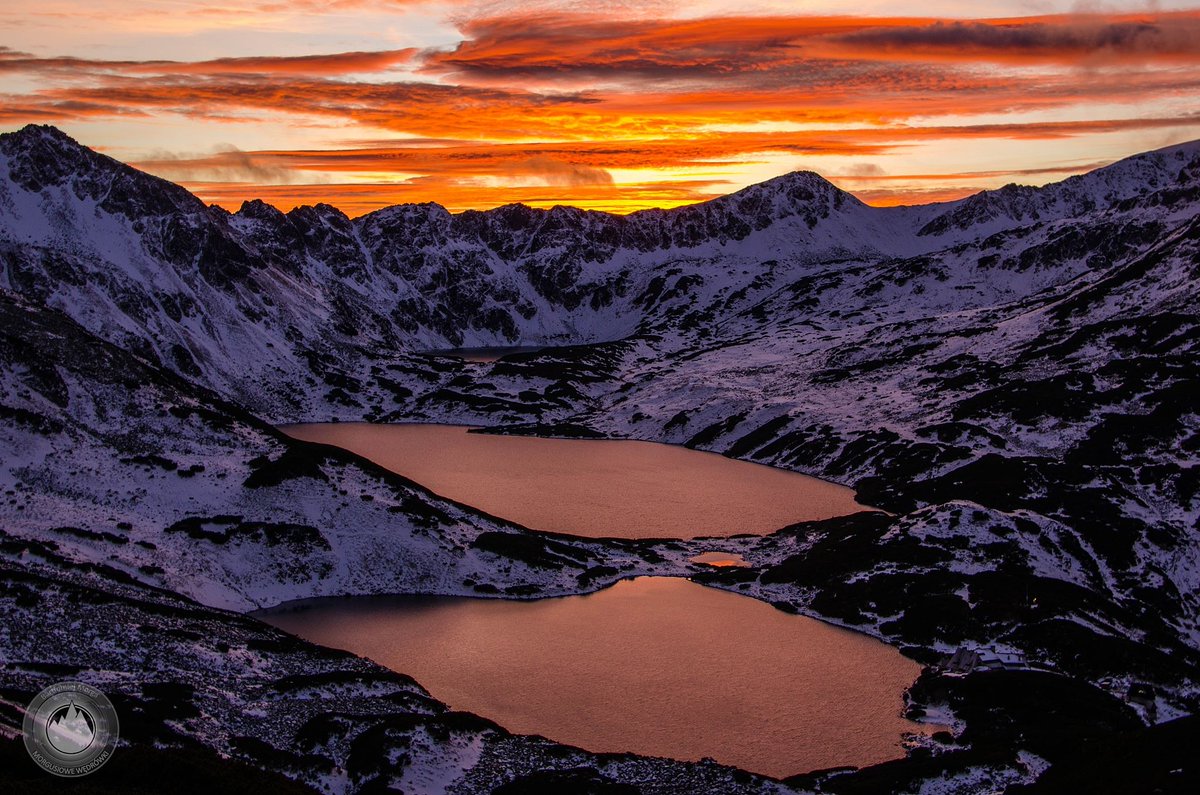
[298,314]
[183,675]
[1012,376]
[118,462]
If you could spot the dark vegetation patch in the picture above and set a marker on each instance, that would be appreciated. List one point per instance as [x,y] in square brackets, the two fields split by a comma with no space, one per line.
[298,461]
[488,404]
[224,529]
[594,573]
[296,682]
[758,437]
[265,755]
[715,431]
[841,546]
[725,575]
[151,460]
[382,748]
[1084,651]
[1045,713]
[532,549]
[398,391]
[91,535]
[1160,759]
[580,780]
[1005,711]
[39,423]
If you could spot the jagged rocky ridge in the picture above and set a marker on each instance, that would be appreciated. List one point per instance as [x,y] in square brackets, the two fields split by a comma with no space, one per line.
[1011,375]
[304,313]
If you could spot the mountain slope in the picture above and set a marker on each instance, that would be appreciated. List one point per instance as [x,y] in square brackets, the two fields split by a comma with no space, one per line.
[115,461]
[297,314]
[1012,376]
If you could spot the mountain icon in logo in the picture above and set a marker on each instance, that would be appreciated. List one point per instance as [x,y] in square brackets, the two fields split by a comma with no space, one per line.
[70,729]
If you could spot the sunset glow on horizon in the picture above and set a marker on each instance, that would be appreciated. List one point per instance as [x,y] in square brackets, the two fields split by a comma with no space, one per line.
[610,105]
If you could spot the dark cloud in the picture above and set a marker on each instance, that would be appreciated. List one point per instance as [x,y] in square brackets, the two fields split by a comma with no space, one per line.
[863,170]
[767,52]
[1062,39]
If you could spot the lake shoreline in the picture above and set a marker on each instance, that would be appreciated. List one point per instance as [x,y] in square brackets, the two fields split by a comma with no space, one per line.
[370,626]
[612,488]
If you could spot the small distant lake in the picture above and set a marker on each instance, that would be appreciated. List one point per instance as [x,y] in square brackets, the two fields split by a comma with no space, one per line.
[656,666]
[588,487]
[720,559]
[486,354]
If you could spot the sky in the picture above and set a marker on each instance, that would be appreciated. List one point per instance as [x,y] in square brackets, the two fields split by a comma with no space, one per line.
[608,105]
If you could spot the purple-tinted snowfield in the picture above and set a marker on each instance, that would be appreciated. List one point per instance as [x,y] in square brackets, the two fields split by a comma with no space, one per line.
[1008,378]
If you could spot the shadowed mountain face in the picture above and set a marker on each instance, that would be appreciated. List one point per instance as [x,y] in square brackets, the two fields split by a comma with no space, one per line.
[1012,376]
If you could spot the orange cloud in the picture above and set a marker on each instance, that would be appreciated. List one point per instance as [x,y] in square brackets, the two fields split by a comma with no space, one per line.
[587,162]
[332,64]
[504,114]
[767,51]
[552,107]
[358,199]
[569,163]
[404,106]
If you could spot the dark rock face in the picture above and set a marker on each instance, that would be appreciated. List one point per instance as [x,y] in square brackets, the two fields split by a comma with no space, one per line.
[41,157]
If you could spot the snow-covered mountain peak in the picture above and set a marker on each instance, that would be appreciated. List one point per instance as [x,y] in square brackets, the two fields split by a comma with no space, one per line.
[803,193]
[1171,175]
[259,210]
[38,157]
[796,186]
[45,136]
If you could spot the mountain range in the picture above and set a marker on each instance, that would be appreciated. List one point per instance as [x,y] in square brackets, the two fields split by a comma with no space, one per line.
[1010,378]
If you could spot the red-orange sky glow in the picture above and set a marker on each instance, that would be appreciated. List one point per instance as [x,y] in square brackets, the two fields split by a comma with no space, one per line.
[607,105]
